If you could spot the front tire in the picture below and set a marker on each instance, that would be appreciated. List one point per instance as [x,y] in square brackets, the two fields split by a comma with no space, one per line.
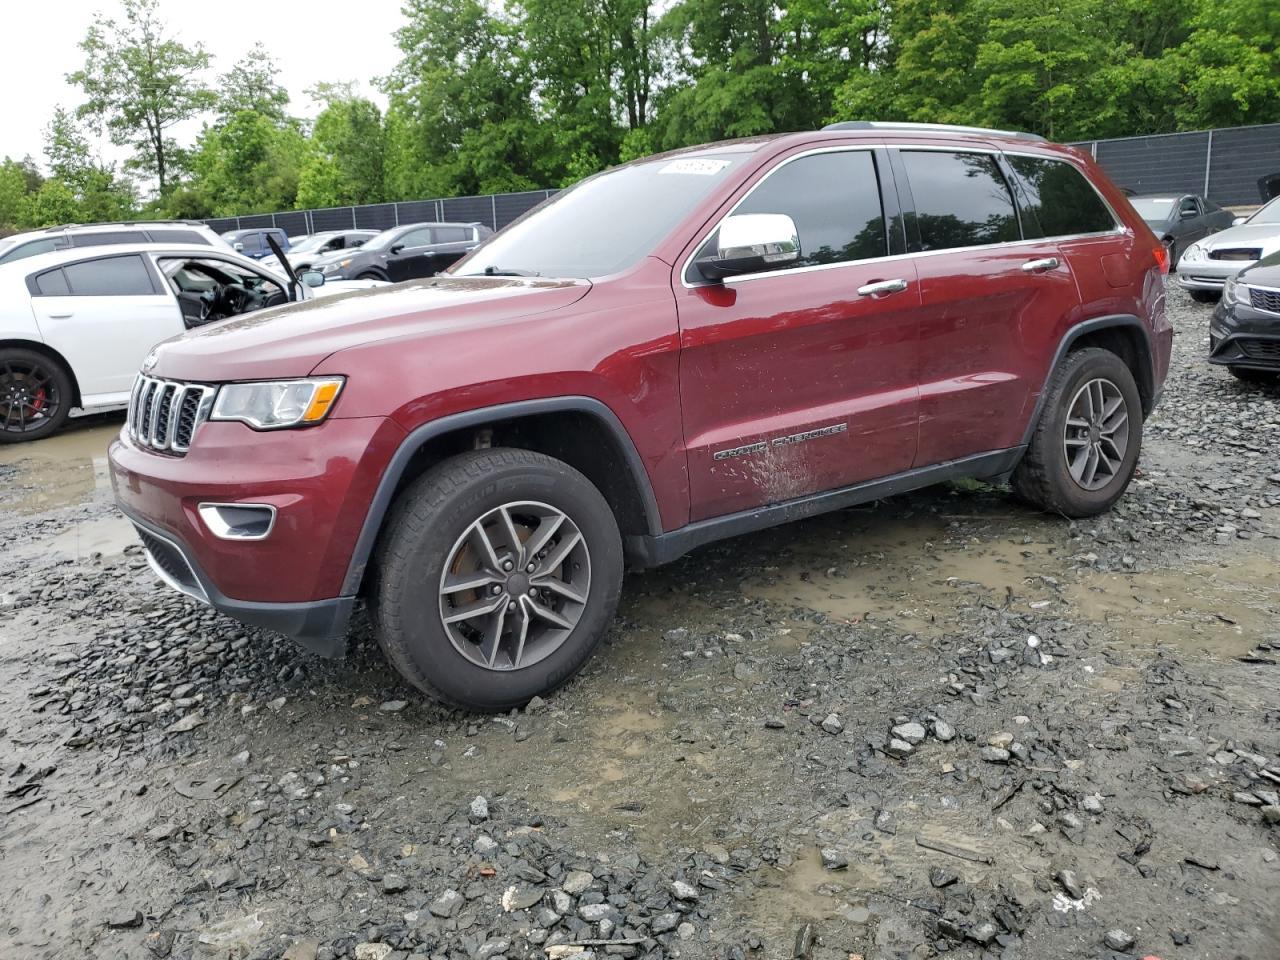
[497,575]
[1171,249]
[35,395]
[1085,448]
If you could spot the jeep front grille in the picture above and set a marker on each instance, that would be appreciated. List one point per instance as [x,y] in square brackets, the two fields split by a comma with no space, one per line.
[164,414]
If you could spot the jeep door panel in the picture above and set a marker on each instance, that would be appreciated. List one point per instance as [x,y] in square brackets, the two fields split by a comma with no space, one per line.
[792,382]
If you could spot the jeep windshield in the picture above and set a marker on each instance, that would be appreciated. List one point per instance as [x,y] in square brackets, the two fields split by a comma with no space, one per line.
[604,224]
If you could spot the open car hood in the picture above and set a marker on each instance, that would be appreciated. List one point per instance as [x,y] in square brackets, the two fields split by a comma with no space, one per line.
[289,341]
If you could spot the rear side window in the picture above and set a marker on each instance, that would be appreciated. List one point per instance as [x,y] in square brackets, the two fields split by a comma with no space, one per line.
[961,199]
[452,234]
[105,237]
[32,247]
[1061,202]
[178,236]
[834,200]
[51,283]
[109,277]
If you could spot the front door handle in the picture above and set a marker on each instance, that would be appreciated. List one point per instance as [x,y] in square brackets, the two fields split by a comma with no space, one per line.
[1041,266]
[61,316]
[882,287]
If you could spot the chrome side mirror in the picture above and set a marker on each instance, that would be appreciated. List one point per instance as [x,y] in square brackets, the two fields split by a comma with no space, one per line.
[751,242]
[312,278]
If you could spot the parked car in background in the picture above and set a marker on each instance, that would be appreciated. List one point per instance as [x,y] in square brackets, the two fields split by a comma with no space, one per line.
[688,347]
[405,252]
[253,242]
[304,251]
[76,235]
[1181,220]
[1244,334]
[1206,266]
[76,324]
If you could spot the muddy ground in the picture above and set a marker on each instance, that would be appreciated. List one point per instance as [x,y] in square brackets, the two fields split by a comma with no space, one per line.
[941,724]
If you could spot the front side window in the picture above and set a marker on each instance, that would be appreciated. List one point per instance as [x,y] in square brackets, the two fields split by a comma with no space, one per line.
[110,277]
[1062,203]
[416,238]
[834,201]
[961,199]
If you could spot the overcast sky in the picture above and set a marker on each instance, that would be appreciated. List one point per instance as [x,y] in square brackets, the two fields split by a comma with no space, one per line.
[321,40]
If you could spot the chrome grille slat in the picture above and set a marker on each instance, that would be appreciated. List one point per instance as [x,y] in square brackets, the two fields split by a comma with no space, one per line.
[164,414]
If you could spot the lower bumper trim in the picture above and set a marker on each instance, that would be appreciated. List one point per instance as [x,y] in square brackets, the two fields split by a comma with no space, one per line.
[318,625]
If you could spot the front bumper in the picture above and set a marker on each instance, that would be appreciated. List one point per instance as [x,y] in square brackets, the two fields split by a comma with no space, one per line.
[1240,336]
[1209,274]
[320,481]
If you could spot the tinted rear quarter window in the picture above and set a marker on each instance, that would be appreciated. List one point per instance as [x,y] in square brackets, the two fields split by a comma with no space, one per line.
[104,237]
[452,234]
[179,236]
[1061,202]
[961,199]
[51,283]
[109,277]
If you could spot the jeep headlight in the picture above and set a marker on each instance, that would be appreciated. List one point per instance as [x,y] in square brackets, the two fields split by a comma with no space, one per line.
[1236,292]
[273,404]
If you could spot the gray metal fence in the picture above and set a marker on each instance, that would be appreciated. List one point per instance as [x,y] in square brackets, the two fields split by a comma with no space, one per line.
[495,210]
[1224,165]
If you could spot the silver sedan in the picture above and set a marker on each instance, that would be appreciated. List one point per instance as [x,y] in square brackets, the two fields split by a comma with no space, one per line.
[1206,266]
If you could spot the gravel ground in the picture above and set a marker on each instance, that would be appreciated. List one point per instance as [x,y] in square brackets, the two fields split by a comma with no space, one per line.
[942,724]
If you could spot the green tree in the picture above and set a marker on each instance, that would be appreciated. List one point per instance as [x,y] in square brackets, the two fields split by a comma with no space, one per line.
[248,163]
[18,181]
[344,163]
[99,194]
[461,118]
[251,84]
[138,83]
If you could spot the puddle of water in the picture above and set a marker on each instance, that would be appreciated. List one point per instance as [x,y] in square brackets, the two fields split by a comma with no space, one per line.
[907,571]
[64,470]
[107,535]
[1223,611]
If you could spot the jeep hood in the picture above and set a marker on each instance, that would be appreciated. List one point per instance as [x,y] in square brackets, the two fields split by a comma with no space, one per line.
[290,341]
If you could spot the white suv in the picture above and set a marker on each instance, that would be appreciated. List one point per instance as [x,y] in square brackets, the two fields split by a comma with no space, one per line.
[75,325]
[21,245]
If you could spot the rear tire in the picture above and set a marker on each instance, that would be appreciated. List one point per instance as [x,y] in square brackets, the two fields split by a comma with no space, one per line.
[1171,248]
[35,395]
[1085,447]
[1205,296]
[518,633]
[370,275]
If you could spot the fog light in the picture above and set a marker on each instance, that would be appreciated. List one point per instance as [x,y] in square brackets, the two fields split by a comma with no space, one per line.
[238,521]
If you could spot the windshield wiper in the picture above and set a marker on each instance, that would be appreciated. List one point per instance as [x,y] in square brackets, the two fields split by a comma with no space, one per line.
[492,271]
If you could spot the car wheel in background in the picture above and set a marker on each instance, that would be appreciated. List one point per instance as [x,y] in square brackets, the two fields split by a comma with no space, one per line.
[35,395]
[370,275]
[1085,447]
[1171,248]
[1205,296]
[497,574]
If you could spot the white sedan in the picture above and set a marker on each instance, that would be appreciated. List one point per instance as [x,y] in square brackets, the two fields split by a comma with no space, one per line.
[1206,265]
[76,324]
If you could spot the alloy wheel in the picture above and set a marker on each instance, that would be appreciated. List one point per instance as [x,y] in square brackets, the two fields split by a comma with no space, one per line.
[515,585]
[29,396]
[1096,437]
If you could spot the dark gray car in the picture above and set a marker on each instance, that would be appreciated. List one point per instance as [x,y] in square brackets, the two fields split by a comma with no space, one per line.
[1179,220]
[404,252]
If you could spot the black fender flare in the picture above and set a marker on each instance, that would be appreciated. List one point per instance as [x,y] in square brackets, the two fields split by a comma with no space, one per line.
[399,462]
[1117,320]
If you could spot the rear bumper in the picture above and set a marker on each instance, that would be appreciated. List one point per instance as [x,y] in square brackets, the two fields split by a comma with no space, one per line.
[318,625]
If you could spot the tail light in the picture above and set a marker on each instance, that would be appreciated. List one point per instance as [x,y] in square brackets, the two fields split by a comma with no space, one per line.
[1161,254]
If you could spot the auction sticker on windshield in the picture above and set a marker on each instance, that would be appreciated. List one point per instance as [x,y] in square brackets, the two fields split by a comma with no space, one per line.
[700,167]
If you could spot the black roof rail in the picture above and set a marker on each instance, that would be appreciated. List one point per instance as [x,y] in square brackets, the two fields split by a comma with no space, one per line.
[938,127]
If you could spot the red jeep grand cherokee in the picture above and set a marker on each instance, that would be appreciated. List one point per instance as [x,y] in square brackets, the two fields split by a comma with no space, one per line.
[692,346]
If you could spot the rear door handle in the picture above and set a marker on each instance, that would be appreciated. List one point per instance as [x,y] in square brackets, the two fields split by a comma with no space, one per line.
[1041,266]
[60,316]
[882,287]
